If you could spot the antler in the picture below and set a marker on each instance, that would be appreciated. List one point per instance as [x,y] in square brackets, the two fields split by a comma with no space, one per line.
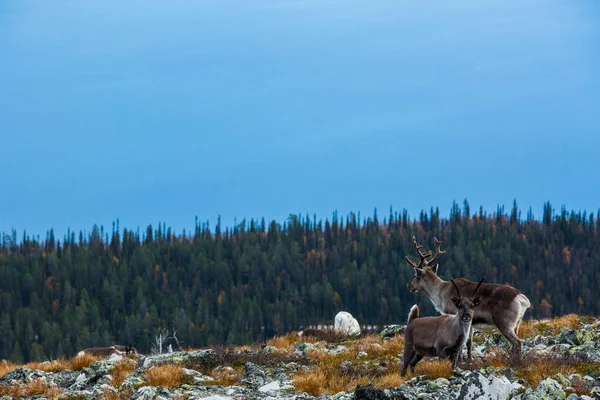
[457,289]
[477,288]
[424,261]
[423,256]
[438,251]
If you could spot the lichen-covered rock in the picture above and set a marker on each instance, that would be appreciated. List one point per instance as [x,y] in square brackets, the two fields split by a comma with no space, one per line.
[132,381]
[254,376]
[562,380]
[392,330]
[145,393]
[548,389]
[576,337]
[183,357]
[589,349]
[335,349]
[370,392]
[304,347]
[23,375]
[478,386]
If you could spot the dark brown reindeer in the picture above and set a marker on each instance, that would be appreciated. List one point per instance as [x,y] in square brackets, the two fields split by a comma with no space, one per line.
[442,336]
[502,306]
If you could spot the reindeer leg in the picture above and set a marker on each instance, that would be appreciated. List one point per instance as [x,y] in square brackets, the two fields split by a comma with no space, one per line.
[517,328]
[469,347]
[407,358]
[455,359]
[418,357]
[509,333]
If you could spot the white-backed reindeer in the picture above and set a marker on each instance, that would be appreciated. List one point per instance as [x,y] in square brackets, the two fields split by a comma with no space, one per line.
[107,351]
[502,306]
[442,336]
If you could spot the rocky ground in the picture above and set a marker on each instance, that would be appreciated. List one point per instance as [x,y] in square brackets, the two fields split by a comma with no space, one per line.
[560,362]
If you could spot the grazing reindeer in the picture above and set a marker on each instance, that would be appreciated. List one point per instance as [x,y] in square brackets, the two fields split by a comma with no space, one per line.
[107,351]
[442,336]
[502,306]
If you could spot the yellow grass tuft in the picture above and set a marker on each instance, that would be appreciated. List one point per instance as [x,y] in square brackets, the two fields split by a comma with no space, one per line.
[434,368]
[534,373]
[78,363]
[34,388]
[167,375]
[5,367]
[579,388]
[312,381]
[54,366]
[390,380]
[325,380]
[286,341]
[120,372]
[531,328]
[392,347]
[225,376]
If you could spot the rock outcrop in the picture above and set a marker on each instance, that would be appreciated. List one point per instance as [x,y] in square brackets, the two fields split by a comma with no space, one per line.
[270,375]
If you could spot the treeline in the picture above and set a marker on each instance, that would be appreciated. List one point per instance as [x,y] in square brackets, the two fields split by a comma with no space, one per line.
[245,283]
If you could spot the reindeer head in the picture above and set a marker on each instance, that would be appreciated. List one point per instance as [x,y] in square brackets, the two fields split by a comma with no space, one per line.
[466,305]
[426,270]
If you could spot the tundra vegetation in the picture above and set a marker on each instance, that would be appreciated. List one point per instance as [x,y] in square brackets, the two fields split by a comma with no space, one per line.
[561,355]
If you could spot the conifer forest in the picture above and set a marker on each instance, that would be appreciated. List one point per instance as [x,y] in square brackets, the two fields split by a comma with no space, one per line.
[248,282]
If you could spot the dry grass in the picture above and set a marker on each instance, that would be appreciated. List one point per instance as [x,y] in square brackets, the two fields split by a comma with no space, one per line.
[225,376]
[327,381]
[54,366]
[168,375]
[391,347]
[6,367]
[232,357]
[284,342]
[34,388]
[546,327]
[120,372]
[534,373]
[332,373]
[579,388]
[390,380]
[78,363]
[313,382]
[330,378]
[434,368]
[75,364]
[110,395]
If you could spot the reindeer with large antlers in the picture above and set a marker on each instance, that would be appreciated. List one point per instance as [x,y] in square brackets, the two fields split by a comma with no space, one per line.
[502,306]
[442,336]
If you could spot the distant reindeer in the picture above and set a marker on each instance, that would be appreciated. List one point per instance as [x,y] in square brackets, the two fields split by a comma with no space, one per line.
[107,351]
[502,306]
[442,336]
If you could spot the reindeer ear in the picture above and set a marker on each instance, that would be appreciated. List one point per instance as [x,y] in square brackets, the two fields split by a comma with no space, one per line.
[434,268]
[419,271]
[476,301]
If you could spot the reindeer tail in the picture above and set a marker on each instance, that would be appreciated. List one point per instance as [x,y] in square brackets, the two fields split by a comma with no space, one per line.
[413,314]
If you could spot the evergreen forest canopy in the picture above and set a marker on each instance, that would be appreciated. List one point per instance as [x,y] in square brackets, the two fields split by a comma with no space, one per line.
[254,280]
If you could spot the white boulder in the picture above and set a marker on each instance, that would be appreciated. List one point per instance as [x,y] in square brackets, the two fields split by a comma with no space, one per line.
[346,323]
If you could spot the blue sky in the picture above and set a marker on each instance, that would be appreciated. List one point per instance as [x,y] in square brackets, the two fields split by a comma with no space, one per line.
[150,112]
